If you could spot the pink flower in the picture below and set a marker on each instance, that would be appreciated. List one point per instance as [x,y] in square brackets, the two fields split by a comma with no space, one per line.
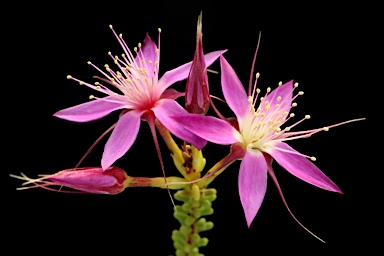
[90,180]
[258,137]
[140,93]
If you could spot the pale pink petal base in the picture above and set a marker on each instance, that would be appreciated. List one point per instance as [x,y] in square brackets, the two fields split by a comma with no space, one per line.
[122,138]
[301,167]
[252,183]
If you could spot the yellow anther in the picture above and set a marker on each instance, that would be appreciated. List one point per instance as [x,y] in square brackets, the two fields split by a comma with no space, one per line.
[159,29]
[156,63]
[109,53]
[139,45]
[261,99]
[98,87]
[296,85]
[97,83]
[258,90]
[294,104]
[250,99]
[110,26]
[115,94]
[277,105]
[325,129]
[287,129]
[135,49]
[69,77]
[278,129]
[89,63]
[307,116]
[285,113]
[81,83]
[280,83]
[116,57]
[313,158]
[150,62]
[278,98]
[121,36]
[301,92]
[157,51]
[106,66]
[257,75]
[292,114]
[91,97]
[269,89]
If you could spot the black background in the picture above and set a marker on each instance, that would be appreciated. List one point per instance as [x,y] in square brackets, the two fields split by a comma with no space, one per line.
[316,46]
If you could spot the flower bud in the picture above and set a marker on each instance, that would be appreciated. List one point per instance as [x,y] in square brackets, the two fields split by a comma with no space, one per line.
[197,99]
[89,179]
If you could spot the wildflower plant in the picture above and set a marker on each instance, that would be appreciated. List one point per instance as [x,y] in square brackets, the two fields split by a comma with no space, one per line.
[260,132]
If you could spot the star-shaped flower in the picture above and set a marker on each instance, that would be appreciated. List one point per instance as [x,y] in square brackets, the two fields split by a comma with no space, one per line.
[140,93]
[258,137]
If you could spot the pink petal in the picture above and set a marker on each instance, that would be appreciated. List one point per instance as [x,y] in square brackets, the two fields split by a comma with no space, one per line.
[164,109]
[147,53]
[285,92]
[122,138]
[180,73]
[89,111]
[209,128]
[252,183]
[83,178]
[172,94]
[301,167]
[233,90]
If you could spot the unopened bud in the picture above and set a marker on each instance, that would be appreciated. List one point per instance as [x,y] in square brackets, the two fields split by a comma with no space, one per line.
[197,99]
[89,179]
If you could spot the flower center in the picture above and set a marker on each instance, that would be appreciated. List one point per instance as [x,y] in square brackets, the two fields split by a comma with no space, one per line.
[136,79]
[264,123]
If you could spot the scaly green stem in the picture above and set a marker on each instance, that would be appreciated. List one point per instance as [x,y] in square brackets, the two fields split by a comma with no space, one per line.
[197,203]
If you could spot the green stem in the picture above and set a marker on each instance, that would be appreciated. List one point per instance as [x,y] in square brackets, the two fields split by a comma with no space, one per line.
[197,203]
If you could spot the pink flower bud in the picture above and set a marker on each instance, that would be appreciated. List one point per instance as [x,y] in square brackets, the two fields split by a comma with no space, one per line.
[197,97]
[90,179]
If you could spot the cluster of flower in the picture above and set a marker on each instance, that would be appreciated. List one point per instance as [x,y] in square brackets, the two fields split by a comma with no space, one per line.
[256,136]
